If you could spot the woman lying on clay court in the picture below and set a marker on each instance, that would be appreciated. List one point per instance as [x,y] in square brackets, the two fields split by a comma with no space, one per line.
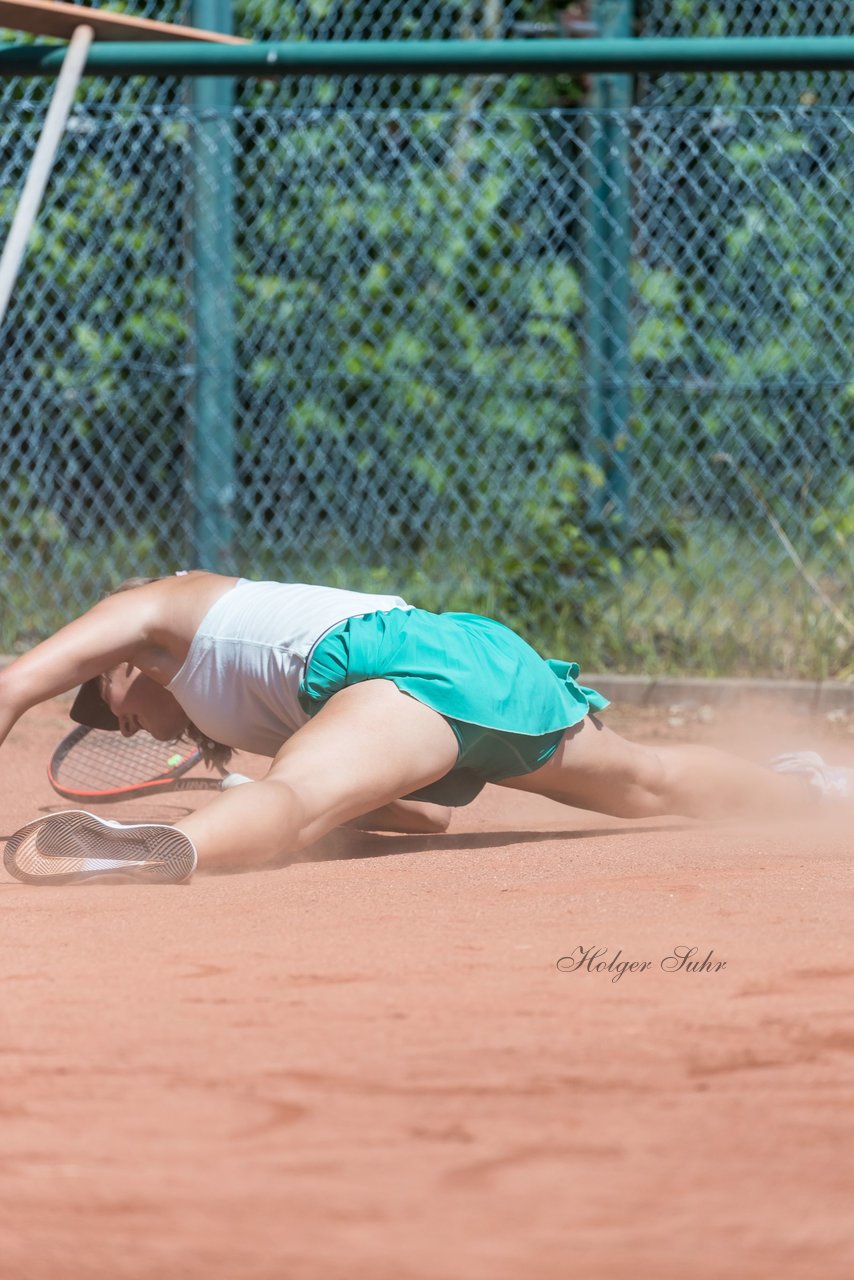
[368,709]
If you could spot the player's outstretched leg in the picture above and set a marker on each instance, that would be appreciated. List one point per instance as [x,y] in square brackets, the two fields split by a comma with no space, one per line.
[77,847]
[594,768]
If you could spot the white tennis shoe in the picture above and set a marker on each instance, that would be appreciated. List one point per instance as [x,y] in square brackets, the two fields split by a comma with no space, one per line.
[76,846]
[833,782]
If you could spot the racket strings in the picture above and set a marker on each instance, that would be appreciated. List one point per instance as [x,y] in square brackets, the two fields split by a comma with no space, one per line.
[102,762]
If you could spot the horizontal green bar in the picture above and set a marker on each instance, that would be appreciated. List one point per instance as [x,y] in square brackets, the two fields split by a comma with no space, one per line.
[463,57]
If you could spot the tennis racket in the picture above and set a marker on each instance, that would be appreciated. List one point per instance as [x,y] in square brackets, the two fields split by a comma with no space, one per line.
[97,767]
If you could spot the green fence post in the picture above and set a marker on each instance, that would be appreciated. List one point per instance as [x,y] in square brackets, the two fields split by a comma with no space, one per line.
[608,259]
[212,479]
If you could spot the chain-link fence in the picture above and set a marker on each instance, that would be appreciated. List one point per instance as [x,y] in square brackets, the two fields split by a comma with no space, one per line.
[493,343]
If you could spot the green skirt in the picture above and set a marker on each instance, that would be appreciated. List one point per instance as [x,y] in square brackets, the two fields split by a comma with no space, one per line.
[507,706]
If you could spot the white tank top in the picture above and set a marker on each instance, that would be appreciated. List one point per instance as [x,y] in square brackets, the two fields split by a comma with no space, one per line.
[240,679]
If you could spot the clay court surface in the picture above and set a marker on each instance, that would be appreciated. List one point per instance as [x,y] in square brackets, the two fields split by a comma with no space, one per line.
[368,1063]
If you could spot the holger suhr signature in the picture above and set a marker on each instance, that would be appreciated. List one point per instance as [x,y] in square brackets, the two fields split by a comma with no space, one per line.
[682,959]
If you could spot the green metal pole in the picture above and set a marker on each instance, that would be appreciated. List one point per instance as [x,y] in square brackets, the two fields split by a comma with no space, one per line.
[452,57]
[607,261]
[213,475]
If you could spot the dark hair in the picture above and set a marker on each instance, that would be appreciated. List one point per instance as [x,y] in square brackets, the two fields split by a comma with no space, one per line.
[216,755]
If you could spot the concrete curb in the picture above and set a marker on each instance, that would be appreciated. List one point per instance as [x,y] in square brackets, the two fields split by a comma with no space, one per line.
[810,696]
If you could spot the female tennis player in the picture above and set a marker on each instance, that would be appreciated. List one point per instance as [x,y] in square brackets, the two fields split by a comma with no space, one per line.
[369,710]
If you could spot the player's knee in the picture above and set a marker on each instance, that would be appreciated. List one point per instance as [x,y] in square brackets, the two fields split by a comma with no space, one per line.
[668,785]
[289,802]
[646,785]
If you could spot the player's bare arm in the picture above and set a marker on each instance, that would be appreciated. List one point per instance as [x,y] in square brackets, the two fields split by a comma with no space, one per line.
[114,631]
[150,627]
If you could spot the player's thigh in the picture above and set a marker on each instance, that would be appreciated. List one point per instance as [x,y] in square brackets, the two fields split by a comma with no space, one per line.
[368,745]
[591,769]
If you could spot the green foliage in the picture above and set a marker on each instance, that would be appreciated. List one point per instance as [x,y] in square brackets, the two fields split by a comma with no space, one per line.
[411,375]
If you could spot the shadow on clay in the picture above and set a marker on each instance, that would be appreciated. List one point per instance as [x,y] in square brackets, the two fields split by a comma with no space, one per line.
[341,846]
